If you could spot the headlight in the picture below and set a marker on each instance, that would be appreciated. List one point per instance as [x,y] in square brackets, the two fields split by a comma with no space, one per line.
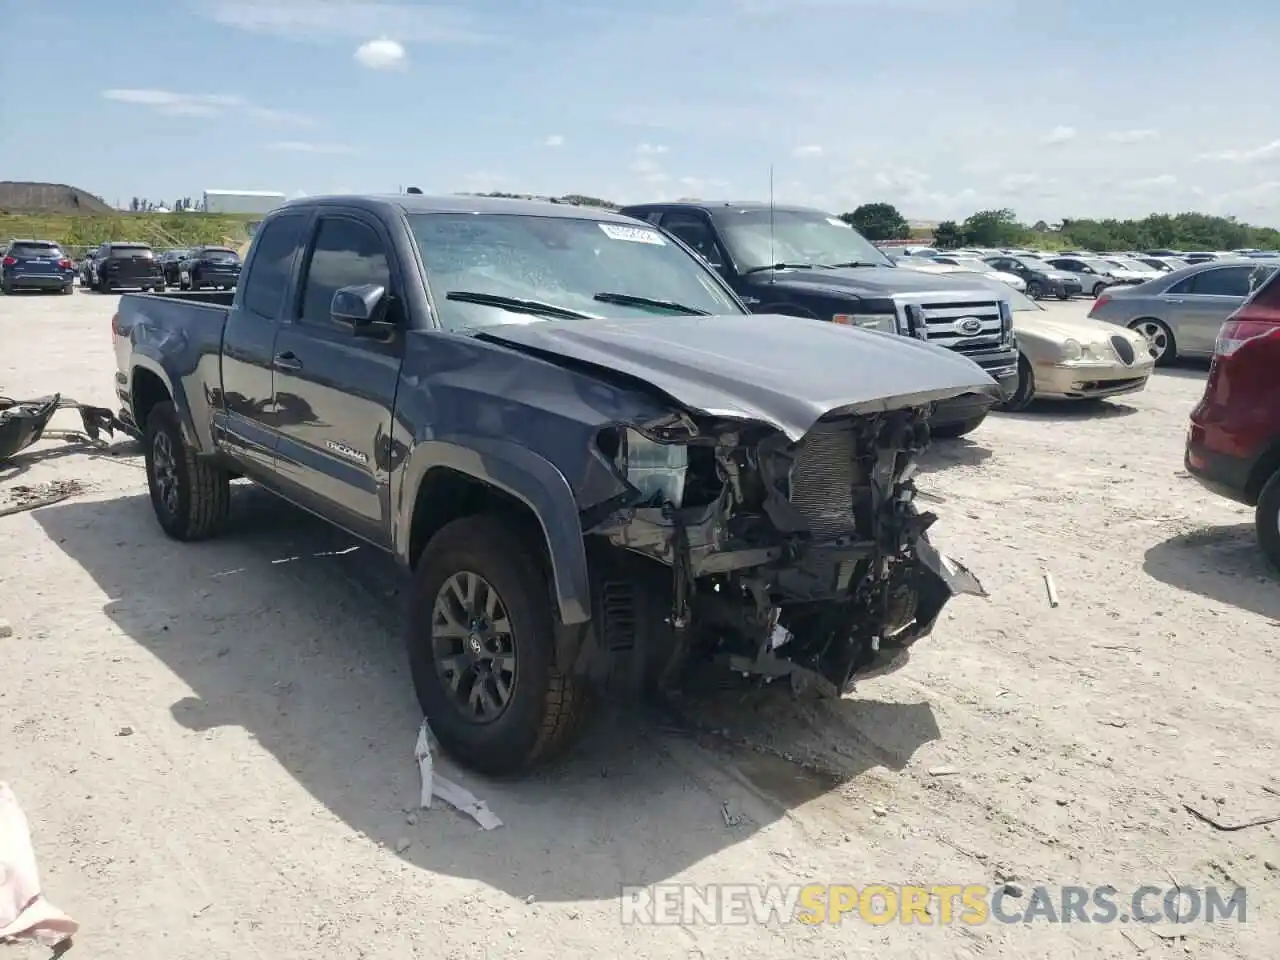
[885,322]
[1071,350]
[657,470]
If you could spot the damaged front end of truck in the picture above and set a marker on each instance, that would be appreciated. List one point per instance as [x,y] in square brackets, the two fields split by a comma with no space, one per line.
[766,556]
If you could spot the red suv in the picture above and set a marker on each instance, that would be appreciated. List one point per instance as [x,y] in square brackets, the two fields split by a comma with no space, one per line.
[1233,445]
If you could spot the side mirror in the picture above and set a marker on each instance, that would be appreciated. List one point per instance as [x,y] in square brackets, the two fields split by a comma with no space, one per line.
[359,306]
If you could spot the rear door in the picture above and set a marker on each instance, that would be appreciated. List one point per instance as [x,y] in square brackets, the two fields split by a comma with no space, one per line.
[1199,304]
[335,392]
[249,422]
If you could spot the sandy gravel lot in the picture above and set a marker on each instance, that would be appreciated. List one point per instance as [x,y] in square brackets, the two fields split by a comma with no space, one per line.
[214,742]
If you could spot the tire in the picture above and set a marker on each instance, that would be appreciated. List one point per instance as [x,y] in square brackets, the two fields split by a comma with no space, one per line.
[1157,333]
[1026,391]
[7,289]
[201,499]
[69,289]
[953,431]
[1097,290]
[1063,295]
[1034,289]
[1266,520]
[546,707]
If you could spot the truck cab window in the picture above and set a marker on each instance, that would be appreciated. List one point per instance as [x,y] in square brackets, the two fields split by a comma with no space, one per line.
[268,275]
[347,253]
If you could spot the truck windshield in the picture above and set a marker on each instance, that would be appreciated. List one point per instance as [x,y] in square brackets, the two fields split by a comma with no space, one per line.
[510,268]
[795,236]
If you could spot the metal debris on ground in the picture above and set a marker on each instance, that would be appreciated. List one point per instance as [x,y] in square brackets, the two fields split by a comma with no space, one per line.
[23,498]
[1051,589]
[23,422]
[434,785]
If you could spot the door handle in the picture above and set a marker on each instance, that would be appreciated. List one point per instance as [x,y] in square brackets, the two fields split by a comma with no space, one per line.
[286,361]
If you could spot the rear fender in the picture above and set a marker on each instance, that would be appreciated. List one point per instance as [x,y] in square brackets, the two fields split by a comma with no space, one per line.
[145,358]
[523,474]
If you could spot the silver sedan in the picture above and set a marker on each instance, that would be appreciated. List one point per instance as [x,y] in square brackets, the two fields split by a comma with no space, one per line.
[1181,312]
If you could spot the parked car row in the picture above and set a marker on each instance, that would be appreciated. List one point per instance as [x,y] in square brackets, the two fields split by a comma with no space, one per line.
[120,265]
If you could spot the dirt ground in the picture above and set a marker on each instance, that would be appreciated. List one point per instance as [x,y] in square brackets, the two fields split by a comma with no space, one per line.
[214,742]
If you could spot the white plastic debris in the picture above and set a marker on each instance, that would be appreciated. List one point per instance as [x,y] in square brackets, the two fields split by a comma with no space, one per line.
[434,785]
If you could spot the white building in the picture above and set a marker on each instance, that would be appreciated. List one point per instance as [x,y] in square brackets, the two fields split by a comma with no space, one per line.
[240,201]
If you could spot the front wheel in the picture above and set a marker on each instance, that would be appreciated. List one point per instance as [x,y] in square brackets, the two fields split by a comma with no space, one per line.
[1035,290]
[191,497]
[953,431]
[1026,391]
[1097,290]
[481,634]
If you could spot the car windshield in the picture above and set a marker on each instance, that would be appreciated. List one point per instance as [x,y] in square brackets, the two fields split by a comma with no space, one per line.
[1102,266]
[571,265]
[219,253]
[971,263]
[125,252]
[754,239]
[1131,265]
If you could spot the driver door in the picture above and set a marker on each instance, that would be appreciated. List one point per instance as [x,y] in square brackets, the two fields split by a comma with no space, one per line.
[335,392]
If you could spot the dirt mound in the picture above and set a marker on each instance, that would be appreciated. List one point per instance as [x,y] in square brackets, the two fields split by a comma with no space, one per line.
[18,196]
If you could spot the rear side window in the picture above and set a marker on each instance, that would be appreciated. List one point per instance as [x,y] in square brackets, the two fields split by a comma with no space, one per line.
[347,253]
[1227,282]
[276,245]
[129,253]
[31,250]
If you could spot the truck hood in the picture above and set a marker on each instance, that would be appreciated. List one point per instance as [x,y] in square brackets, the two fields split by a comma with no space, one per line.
[870,282]
[788,372]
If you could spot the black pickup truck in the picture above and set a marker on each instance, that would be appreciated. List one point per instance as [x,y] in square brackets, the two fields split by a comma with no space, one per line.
[601,471]
[804,262]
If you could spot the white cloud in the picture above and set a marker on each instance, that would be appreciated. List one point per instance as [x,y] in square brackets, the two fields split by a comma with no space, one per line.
[555,140]
[1132,136]
[381,54]
[1060,135]
[323,20]
[807,152]
[1151,183]
[650,150]
[1265,152]
[297,146]
[202,105]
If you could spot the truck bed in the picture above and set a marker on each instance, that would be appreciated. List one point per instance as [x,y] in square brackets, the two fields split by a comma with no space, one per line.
[183,327]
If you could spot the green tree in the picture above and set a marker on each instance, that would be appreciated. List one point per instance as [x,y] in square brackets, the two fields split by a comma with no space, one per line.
[878,221]
[994,228]
[947,235]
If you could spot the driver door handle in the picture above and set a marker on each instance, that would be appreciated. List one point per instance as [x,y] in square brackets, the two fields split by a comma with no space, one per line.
[286,361]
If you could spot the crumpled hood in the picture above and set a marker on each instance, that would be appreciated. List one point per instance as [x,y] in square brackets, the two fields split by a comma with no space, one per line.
[869,282]
[785,371]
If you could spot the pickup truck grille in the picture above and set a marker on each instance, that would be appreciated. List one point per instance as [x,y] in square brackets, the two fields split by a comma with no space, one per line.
[952,325]
[822,479]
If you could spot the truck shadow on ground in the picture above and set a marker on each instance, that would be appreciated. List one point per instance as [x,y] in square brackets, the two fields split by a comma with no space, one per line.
[284,630]
[1220,563]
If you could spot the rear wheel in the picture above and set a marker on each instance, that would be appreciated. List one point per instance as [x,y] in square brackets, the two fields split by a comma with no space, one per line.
[1035,290]
[191,497]
[952,431]
[68,289]
[1266,520]
[6,288]
[1159,339]
[481,634]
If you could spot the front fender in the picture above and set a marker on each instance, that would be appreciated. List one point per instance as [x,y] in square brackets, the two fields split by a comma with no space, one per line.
[146,357]
[523,474]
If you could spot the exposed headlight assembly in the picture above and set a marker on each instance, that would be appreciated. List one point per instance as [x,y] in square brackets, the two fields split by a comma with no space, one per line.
[657,470]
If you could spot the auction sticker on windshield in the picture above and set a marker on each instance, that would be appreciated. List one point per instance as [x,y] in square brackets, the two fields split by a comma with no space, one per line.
[634,234]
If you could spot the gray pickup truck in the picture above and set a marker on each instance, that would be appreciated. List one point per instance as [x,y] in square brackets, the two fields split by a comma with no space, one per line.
[599,469]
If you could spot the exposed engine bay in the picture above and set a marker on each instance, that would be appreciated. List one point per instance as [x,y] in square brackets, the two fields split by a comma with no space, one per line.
[737,547]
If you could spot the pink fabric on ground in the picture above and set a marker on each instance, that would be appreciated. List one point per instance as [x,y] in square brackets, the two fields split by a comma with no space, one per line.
[24,912]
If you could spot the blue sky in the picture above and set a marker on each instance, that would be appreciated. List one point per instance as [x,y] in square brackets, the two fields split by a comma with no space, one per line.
[940,106]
